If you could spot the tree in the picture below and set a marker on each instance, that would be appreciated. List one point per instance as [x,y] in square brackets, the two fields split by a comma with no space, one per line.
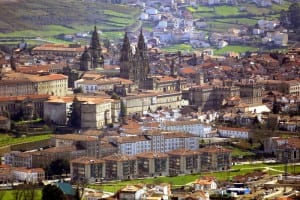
[294,15]
[51,192]
[59,166]
[77,90]
[291,17]
[74,115]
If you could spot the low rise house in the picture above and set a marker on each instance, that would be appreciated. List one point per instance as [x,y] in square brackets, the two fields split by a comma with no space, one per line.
[131,192]
[205,184]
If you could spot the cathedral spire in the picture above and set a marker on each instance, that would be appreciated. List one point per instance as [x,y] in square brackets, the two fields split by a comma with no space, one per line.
[95,41]
[126,52]
[141,41]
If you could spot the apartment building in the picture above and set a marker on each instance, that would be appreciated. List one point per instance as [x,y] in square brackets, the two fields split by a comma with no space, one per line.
[215,158]
[87,169]
[183,161]
[151,164]
[230,132]
[194,127]
[18,159]
[118,166]
[156,141]
[33,175]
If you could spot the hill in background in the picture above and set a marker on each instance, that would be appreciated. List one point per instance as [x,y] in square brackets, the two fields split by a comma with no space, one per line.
[36,14]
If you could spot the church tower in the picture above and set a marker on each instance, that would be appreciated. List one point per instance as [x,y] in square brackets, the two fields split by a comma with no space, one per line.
[92,57]
[134,67]
[126,60]
[142,60]
[96,50]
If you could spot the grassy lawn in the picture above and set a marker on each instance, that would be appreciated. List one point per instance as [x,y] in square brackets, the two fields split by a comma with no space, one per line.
[178,47]
[226,10]
[279,7]
[43,32]
[182,180]
[234,48]
[253,9]
[220,26]
[8,140]
[236,152]
[200,9]
[113,35]
[245,21]
[9,195]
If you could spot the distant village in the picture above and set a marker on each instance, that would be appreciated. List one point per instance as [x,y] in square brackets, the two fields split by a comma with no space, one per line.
[170,24]
[129,110]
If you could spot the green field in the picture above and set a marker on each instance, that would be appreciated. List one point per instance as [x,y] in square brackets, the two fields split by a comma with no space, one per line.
[178,47]
[46,19]
[226,10]
[238,21]
[236,152]
[6,140]
[234,48]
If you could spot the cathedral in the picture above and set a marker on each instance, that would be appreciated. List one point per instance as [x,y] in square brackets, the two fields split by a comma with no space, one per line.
[92,57]
[134,66]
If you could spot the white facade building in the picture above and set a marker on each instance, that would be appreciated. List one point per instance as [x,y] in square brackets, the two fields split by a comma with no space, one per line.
[230,132]
[33,175]
[156,142]
[193,127]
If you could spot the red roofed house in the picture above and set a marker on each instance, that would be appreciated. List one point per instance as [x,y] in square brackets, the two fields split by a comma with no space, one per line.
[205,183]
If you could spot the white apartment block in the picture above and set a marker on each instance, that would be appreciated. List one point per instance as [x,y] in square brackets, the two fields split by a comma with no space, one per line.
[156,142]
[230,132]
[193,127]
[33,175]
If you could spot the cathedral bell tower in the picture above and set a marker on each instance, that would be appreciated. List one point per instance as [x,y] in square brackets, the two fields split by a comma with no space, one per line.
[92,57]
[126,59]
